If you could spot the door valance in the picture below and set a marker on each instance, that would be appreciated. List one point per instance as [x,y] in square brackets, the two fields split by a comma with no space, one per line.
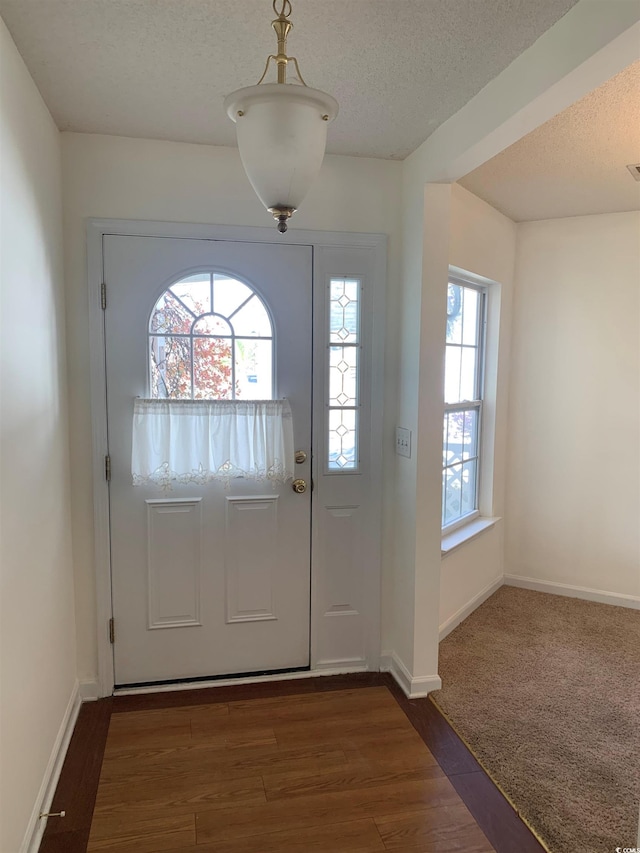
[198,441]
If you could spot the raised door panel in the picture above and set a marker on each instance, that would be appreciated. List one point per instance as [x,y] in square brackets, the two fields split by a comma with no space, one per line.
[251,538]
[174,562]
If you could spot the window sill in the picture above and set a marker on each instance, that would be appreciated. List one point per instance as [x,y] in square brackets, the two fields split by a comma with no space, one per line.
[465,533]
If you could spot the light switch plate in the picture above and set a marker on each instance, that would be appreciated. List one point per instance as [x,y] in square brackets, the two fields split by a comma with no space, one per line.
[403,442]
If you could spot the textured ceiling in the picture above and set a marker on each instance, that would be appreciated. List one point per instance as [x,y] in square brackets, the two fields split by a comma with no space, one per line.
[575,163]
[161,68]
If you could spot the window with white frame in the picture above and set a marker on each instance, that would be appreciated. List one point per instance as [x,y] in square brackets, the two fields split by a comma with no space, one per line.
[463,392]
[344,373]
[210,338]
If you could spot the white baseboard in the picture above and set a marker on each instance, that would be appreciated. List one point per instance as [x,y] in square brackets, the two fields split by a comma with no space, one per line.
[413,688]
[588,594]
[460,615]
[89,691]
[35,827]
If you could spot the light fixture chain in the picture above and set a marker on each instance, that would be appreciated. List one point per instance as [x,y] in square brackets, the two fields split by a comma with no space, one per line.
[282,14]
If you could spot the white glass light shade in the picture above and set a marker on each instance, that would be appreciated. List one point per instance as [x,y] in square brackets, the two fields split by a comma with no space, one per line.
[282,133]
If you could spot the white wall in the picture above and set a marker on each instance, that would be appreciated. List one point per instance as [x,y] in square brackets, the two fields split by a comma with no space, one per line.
[114,177]
[37,632]
[413,633]
[574,460]
[483,242]
[586,47]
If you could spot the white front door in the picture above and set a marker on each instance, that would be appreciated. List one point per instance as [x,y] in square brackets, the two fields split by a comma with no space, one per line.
[207,579]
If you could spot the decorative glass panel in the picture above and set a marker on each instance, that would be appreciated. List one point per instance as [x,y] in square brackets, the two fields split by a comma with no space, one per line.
[202,341]
[343,348]
[343,379]
[342,439]
[344,315]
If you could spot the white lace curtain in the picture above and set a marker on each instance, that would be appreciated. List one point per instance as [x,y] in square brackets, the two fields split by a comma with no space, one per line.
[197,441]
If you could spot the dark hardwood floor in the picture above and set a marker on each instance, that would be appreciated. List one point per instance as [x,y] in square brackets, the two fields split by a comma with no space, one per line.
[78,785]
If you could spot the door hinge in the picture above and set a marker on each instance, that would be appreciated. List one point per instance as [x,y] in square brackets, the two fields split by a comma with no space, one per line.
[112,631]
[107,468]
[103,295]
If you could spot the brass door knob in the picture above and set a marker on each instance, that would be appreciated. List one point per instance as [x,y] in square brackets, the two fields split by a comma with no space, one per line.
[299,487]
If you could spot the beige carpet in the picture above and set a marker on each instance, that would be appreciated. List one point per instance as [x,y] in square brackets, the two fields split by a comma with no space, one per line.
[546,692]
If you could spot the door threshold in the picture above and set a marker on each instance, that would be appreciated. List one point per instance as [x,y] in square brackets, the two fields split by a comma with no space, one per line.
[229,680]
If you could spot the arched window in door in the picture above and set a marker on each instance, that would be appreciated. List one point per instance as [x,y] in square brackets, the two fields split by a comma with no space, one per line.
[210,338]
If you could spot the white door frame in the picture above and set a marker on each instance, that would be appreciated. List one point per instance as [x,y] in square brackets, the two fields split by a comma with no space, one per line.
[324,660]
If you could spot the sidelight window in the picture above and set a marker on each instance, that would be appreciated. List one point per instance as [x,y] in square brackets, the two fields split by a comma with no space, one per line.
[210,338]
[344,373]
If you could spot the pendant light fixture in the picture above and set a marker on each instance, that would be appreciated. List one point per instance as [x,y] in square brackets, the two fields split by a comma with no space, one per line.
[281,129]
